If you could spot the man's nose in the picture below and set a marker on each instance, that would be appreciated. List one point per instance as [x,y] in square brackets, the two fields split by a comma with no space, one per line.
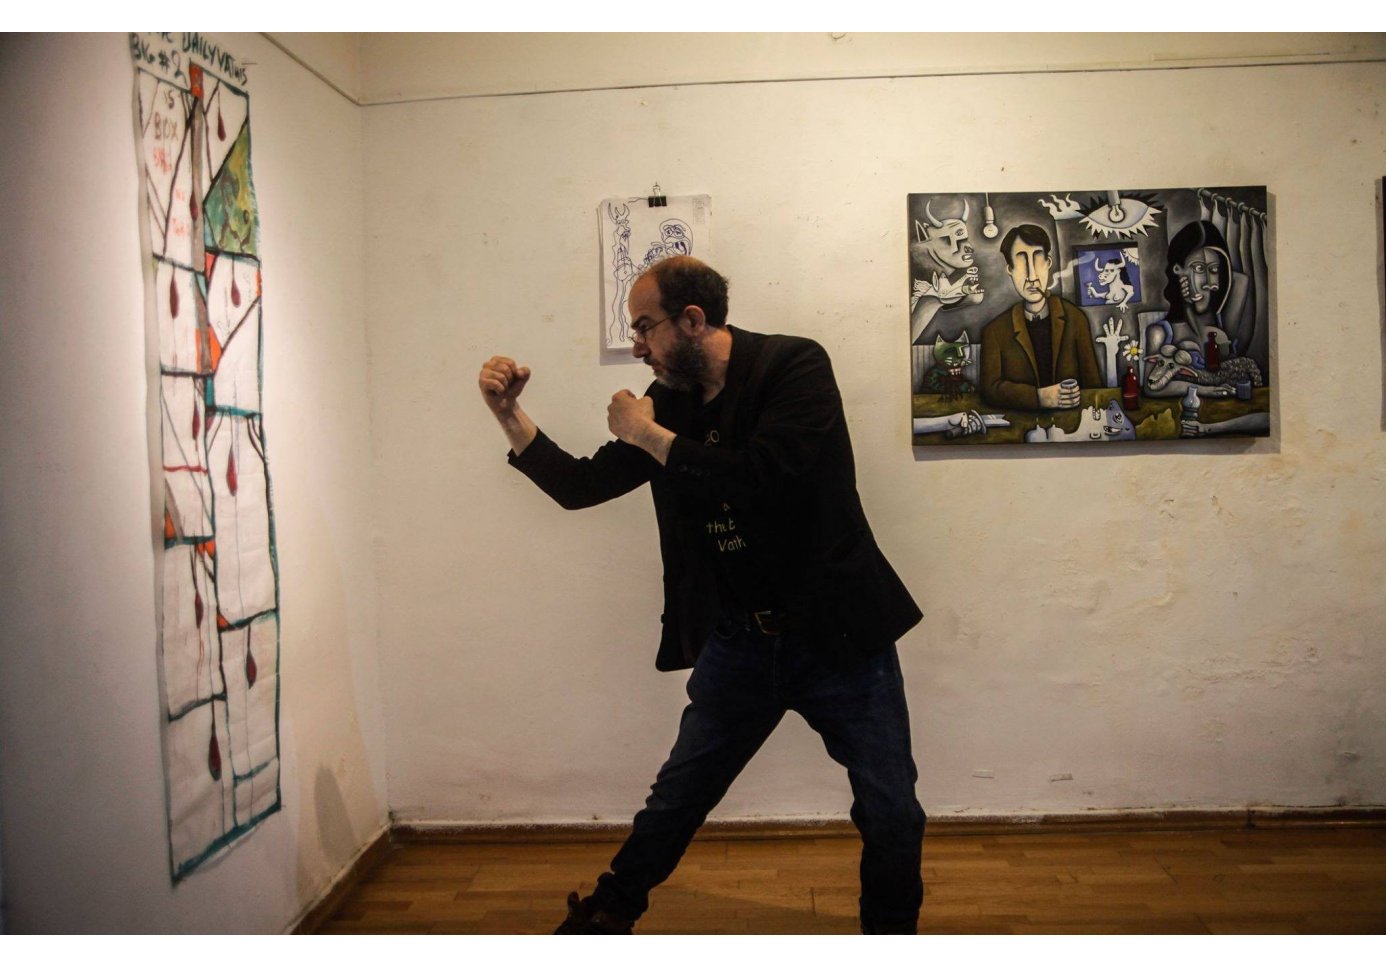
[639,350]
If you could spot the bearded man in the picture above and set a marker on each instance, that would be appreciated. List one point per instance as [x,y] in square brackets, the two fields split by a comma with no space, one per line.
[775,592]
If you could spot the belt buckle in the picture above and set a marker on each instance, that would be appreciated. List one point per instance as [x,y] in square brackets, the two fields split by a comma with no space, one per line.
[765,621]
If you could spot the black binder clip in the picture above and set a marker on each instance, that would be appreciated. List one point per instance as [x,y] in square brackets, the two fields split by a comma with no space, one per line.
[656,198]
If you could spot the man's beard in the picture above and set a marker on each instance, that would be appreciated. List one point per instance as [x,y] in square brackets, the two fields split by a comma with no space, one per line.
[686,365]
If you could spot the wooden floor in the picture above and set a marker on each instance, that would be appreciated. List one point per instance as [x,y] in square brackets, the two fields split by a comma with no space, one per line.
[1292,880]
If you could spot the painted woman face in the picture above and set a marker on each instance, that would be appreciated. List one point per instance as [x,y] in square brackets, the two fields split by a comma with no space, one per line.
[1200,278]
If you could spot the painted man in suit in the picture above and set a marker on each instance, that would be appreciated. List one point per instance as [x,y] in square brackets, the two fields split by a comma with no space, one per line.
[775,592]
[1030,350]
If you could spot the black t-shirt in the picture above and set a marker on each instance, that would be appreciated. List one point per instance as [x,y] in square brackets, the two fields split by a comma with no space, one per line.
[726,534]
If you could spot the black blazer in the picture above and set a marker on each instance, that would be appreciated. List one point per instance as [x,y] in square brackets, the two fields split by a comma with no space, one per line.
[784,464]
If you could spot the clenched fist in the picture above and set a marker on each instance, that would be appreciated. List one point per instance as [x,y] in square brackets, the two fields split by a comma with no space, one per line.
[628,415]
[501,382]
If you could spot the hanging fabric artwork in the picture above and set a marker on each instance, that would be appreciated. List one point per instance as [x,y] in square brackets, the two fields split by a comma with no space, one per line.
[217,577]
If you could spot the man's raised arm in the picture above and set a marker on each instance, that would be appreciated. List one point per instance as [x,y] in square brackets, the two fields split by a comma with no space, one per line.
[574,482]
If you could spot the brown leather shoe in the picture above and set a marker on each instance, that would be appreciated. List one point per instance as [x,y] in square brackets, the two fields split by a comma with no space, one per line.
[584,917]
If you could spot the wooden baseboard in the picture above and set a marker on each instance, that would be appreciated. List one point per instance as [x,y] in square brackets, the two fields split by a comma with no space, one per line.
[1153,821]
[366,861]
[581,833]
[1095,821]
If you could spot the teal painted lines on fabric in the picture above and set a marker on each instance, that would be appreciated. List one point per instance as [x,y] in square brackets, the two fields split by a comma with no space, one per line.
[174,264]
[195,705]
[242,778]
[182,870]
[187,540]
[249,620]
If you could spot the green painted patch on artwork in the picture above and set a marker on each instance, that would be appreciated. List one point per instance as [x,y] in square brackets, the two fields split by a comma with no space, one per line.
[231,224]
[1160,426]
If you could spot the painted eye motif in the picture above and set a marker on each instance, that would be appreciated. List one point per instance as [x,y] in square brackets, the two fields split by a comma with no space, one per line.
[1128,217]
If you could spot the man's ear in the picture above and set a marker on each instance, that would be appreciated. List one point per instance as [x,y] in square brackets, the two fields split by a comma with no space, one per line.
[696,317]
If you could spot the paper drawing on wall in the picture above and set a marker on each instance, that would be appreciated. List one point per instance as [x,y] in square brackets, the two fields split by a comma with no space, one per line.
[218,577]
[634,236]
[1089,316]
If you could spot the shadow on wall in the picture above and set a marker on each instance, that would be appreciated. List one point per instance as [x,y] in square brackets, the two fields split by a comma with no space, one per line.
[2,878]
[1381,284]
[328,786]
[337,839]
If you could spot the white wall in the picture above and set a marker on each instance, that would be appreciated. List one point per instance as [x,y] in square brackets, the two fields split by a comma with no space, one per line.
[336,58]
[81,778]
[1172,625]
[401,67]
[1177,625]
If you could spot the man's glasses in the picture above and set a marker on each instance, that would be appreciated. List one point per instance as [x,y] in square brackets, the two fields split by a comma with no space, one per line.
[639,331]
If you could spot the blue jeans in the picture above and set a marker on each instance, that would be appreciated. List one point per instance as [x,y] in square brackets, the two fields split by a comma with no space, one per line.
[740,688]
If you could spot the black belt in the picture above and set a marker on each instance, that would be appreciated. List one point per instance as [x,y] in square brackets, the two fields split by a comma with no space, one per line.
[767,621]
